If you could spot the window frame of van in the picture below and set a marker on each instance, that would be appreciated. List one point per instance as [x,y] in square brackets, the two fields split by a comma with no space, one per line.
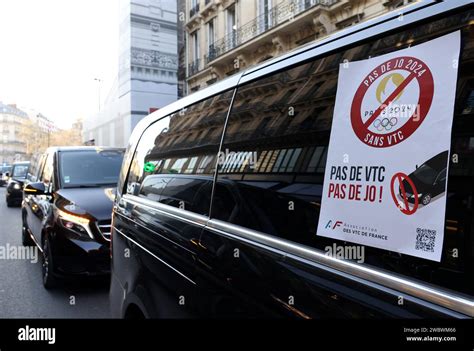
[39,171]
[432,296]
[228,85]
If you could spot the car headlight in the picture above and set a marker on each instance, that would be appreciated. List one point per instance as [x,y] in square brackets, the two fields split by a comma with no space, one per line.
[78,224]
[16,186]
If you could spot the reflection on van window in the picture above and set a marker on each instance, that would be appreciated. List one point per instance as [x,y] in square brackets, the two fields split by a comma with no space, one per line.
[184,143]
[308,159]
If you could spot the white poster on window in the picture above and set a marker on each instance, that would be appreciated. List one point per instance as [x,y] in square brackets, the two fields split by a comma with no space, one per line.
[385,181]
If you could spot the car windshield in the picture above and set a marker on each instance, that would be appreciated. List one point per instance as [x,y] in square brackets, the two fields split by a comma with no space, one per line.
[426,174]
[89,167]
[20,171]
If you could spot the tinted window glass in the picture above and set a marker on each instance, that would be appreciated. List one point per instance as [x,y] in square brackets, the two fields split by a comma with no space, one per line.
[47,173]
[153,186]
[89,168]
[33,169]
[175,160]
[37,174]
[188,194]
[271,176]
[20,171]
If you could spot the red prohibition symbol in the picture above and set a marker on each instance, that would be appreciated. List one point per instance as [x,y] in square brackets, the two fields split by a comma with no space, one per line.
[405,207]
[417,70]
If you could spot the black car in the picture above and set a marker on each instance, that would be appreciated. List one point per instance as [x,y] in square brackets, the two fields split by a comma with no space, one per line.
[19,174]
[67,212]
[5,172]
[219,196]
[429,180]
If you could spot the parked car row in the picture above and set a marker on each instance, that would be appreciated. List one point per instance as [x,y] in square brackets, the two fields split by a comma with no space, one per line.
[212,209]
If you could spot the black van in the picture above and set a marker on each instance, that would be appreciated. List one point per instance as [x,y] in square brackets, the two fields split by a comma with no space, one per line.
[67,208]
[218,199]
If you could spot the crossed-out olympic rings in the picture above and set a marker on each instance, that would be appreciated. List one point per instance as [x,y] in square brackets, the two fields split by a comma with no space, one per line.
[385,123]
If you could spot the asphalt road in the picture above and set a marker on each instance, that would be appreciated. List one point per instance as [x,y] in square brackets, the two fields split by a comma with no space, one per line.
[21,291]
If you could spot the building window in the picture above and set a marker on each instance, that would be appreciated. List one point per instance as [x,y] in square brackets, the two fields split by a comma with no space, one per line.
[231,27]
[265,14]
[210,34]
[194,8]
[195,44]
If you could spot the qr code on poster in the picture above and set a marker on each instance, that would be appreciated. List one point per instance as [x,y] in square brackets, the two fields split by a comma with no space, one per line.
[425,239]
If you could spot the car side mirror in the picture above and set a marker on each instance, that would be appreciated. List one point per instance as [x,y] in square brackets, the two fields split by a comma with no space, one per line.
[35,189]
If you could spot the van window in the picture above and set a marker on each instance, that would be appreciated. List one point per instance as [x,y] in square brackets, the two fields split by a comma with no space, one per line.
[175,160]
[39,170]
[33,169]
[47,173]
[152,187]
[188,193]
[276,148]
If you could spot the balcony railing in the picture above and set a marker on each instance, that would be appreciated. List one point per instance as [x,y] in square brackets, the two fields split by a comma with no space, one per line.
[285,10]
[210,54]
[194,67]
[194,10]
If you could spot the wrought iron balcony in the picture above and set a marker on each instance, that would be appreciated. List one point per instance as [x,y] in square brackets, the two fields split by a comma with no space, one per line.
[210,54]
[194,67]
[278,14]
[194,10]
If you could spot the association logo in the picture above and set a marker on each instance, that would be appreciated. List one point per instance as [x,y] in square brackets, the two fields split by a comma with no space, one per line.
[331,225]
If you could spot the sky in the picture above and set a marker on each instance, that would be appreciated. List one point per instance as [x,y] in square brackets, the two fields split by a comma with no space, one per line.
[51,52]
